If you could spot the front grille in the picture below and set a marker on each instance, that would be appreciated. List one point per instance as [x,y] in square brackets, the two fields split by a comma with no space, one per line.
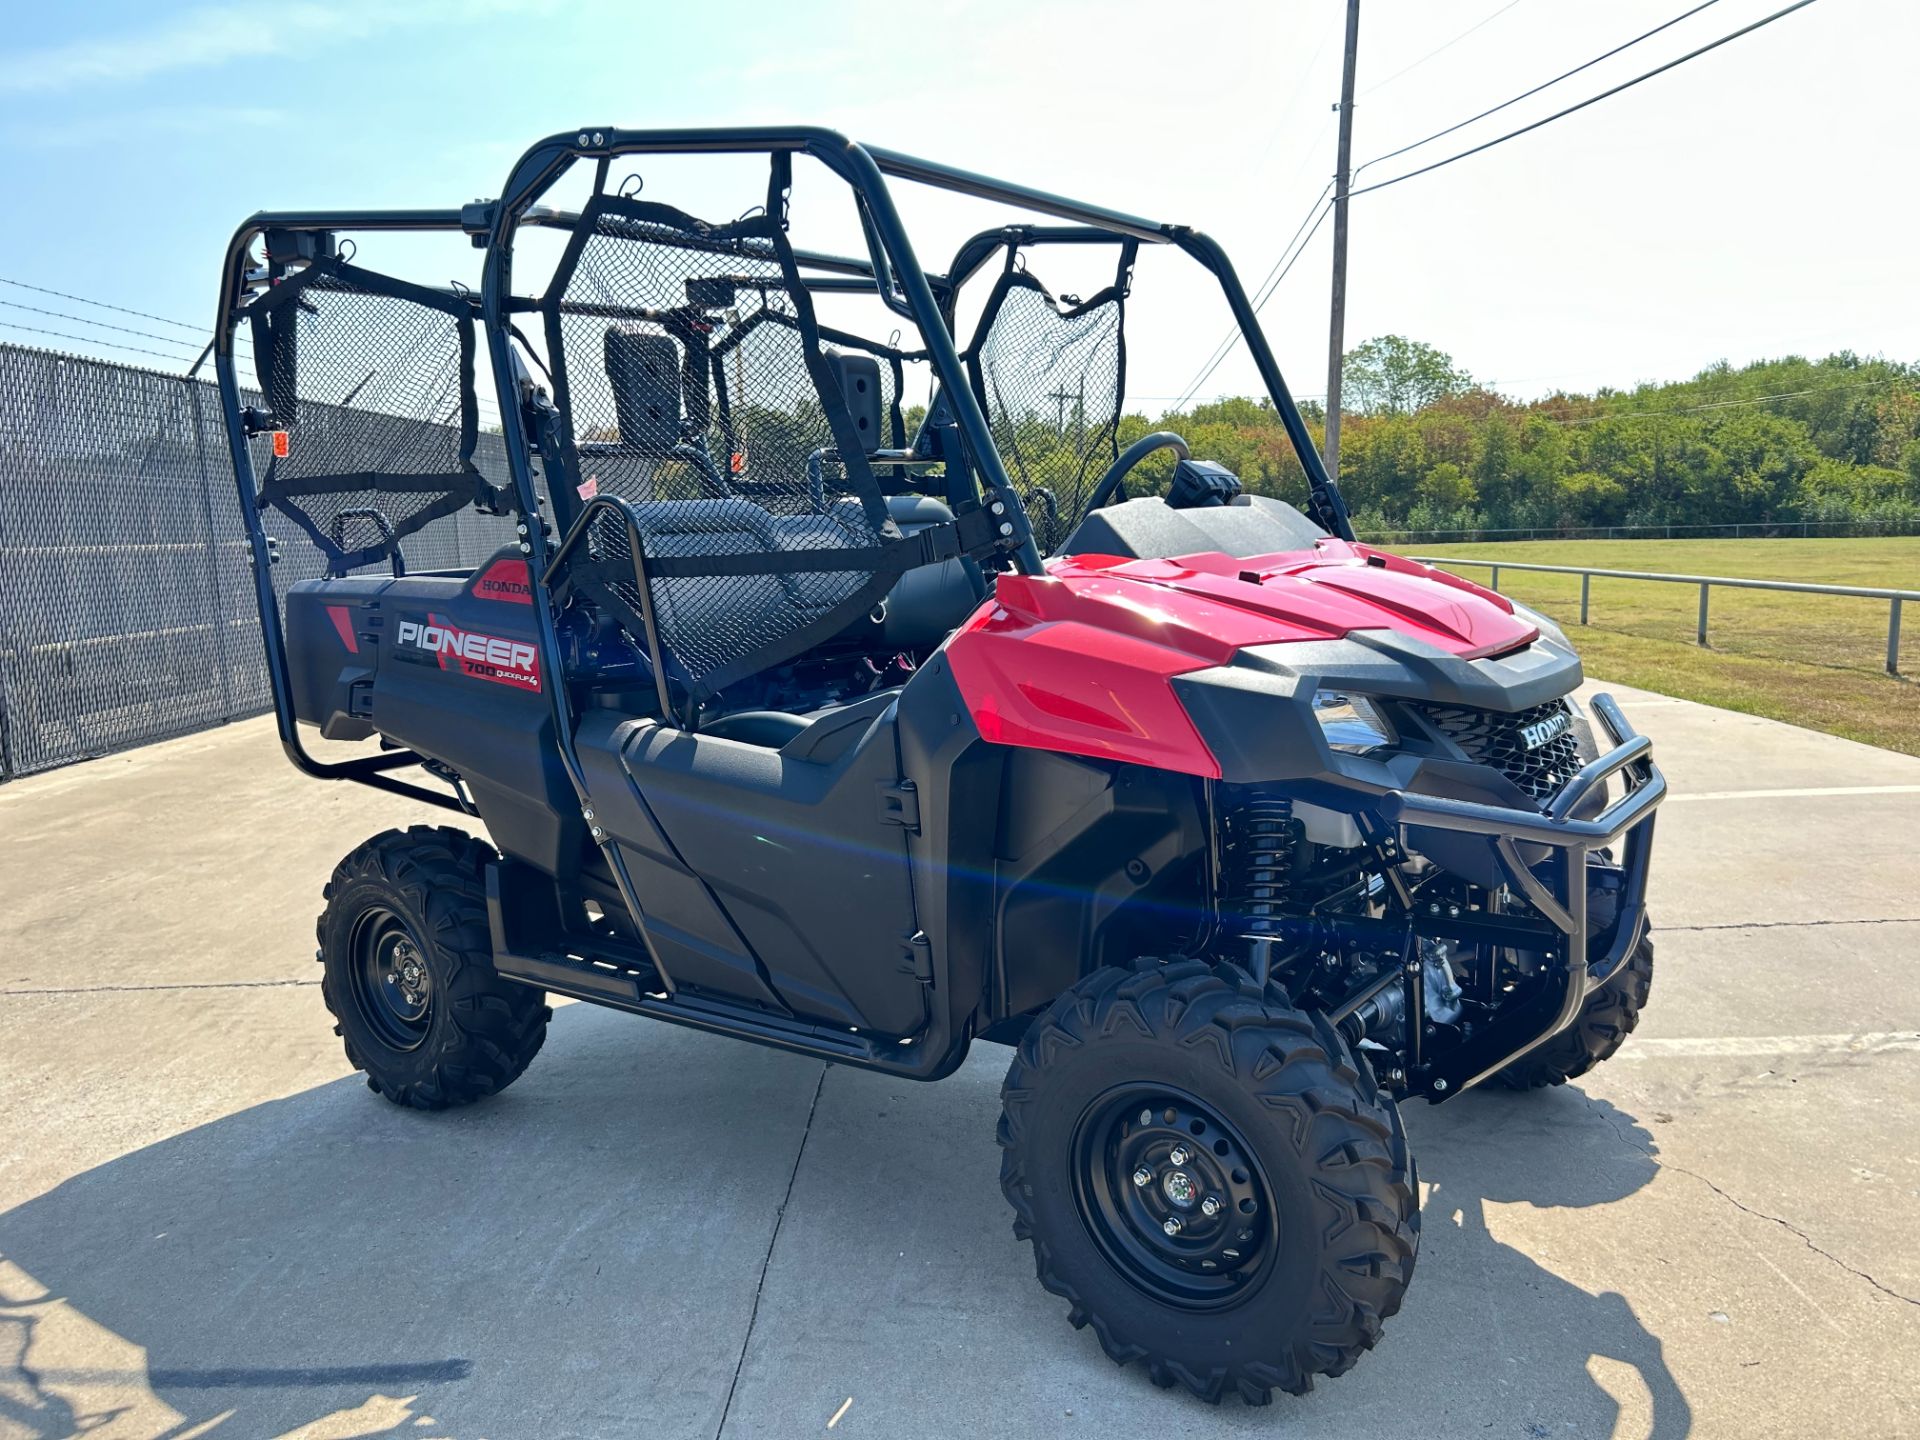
[1493,739]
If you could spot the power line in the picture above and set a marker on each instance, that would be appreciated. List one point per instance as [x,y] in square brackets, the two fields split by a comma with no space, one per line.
[1226,346]
[1275,274]
[1237,336]
[1736,403]
[1592,100]
[1545,85]
[1448,46]
[1228,342]
[99,324]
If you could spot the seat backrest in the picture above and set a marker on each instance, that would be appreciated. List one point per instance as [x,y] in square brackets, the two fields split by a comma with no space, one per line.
[696,614]
[704,619]
[757,427]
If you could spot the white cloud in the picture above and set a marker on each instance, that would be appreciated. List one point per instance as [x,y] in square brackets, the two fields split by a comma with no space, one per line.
[215,35]
[196,39]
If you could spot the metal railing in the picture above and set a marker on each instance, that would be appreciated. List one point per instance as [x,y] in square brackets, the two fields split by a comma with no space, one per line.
[1895,598]
[1741,530]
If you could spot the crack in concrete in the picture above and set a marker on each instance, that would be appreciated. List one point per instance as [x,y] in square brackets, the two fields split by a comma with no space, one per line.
[766,1261]
[1627,1140]
[1790,924]
[140,989]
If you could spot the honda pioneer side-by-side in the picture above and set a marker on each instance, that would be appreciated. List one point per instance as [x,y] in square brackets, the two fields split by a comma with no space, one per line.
[829,671]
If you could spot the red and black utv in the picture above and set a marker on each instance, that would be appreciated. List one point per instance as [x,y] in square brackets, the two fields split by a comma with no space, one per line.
[796,721]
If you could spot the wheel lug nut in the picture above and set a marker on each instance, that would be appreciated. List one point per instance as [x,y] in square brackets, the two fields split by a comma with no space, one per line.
[1210,1206]
[1172,1227]
[1142,1176]
[1179,1155]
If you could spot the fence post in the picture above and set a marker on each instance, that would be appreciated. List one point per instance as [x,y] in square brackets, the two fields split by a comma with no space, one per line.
[1494,583]
[1893,636]
[1586,588]
[1700,631]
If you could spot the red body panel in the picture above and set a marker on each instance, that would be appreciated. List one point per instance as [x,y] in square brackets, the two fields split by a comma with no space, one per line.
[505,580]
[342,619]
[1081,661]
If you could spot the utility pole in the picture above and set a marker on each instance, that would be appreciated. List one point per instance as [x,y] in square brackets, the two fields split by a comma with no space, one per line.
[1337,337]
[1060,398]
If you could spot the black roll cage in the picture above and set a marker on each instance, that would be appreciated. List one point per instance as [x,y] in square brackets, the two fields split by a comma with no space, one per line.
[891,270]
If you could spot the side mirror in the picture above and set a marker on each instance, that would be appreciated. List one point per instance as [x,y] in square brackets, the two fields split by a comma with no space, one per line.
[644,371]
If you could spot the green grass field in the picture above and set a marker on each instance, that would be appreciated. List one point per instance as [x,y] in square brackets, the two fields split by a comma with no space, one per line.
[1812,660]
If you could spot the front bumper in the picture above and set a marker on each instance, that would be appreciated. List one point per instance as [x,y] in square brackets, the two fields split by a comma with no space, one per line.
[1560,895]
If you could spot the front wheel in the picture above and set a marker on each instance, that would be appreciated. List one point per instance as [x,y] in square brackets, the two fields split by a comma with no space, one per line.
[1605,1020]
[409,972]
[1210,1178]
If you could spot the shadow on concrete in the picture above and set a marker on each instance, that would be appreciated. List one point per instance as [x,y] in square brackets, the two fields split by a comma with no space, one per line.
[579,1251]
[1532,1338]
[917,1303]
[582,1256]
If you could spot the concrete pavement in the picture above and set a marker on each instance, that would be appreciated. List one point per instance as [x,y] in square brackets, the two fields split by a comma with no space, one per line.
[209,1227]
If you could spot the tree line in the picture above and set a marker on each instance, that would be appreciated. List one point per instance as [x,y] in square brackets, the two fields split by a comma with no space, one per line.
[1423,446]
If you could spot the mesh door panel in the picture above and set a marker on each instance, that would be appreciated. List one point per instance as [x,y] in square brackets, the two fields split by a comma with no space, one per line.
[1049,381]
[380,421]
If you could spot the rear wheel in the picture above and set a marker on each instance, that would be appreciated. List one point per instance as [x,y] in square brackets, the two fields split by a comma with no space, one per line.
[1210,1178]
[409,972]
[1608,1017]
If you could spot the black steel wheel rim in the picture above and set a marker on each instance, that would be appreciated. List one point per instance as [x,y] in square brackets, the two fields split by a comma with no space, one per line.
[392,984]
[1146,1155]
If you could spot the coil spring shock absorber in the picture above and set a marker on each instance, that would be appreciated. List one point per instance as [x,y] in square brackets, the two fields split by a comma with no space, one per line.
[1257,874]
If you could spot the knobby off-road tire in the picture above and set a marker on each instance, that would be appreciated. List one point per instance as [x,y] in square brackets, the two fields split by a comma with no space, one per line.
[1604,1022]
[447,1030]
[1330,1199]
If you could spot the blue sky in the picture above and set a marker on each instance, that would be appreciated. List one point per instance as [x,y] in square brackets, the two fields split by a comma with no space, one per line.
[1754,203]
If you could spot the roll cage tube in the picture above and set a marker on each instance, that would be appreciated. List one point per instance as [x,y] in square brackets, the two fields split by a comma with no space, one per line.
[865,169]
[892,270]
[1326,502]
[1326,493]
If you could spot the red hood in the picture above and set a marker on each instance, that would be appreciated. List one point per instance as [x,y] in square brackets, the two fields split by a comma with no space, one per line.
[1211,605]
[1082,660]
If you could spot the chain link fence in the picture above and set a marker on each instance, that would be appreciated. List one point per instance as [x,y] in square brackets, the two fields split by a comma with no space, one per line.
[127,610]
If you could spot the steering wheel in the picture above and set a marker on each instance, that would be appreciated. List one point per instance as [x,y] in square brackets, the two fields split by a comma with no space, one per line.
[1129,458]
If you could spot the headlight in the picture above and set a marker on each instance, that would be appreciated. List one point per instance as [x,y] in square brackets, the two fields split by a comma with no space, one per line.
[1351,722]
[1548,628]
